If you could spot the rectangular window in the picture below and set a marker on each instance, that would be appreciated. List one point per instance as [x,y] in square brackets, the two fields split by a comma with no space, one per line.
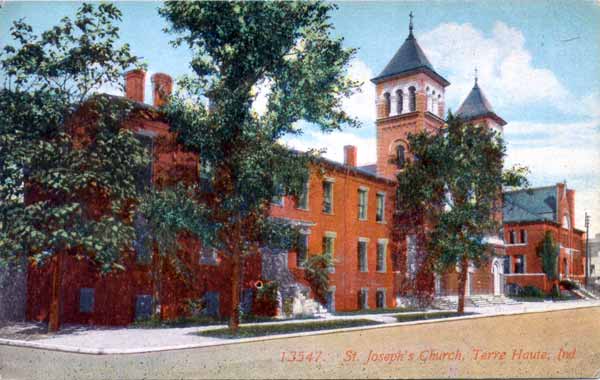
[363,298]
[86,300]
[303,197]
[512,237]
[277,199]
[519,262]
[380,299]
[301,250]
[209,256]
[142,244]
[143,306]
[362,256]
[329,244]
[381,256]
[379,216]
[143,180]
[523,236]
[206,175]
[506,265]
[362,204]
[328,197]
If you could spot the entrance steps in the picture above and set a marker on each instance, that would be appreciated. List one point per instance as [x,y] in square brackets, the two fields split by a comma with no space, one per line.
[477,300]
[305,306]
[584,293]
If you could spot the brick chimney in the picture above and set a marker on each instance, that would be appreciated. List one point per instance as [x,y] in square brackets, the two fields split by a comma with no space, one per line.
[135,83]
[350,153]
[162,86]
[571,205]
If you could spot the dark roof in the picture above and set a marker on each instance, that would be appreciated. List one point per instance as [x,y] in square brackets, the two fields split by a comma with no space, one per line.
[409,59]
[537,204]
[477,106]
[369,168]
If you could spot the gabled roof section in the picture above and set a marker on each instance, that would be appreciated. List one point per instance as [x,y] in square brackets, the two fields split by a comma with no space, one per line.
[477,106]
[409,59]
[537,204]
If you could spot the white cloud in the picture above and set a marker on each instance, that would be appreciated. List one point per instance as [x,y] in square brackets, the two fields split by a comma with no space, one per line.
[361,104]
[555,152]
[262,91]
[334,143]
[506,71]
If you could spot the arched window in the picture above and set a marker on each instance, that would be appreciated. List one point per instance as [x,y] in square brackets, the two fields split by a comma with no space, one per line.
[400,156]
[387,104]
[412,99]
[400,100]
[427,99]
[433,99]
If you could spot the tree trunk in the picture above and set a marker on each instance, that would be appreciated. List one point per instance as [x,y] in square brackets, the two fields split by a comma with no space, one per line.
[54,317]
[234,317]
[462,284]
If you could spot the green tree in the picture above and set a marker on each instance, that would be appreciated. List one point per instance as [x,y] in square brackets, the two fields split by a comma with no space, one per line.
[67,168]
[451,192]
[548,250]
[239,47]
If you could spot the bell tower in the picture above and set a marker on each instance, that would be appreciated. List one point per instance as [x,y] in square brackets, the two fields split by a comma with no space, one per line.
[476,109]
[409,99]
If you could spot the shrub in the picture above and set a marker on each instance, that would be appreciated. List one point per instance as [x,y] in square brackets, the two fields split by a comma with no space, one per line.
[569,285]
[316,272]
[532,291]
[265,303]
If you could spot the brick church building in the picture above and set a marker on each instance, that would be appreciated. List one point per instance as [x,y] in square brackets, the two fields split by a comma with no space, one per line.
[347,212]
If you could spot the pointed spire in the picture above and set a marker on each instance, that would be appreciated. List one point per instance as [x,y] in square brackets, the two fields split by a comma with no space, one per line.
[409,59]
[477,106]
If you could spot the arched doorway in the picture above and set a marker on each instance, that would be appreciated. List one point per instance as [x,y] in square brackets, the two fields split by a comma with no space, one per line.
[497,273]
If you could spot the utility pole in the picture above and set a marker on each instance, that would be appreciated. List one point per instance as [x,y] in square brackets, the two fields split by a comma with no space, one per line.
[587,249]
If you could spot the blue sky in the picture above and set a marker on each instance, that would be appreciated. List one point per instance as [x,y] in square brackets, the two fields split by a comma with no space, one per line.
[538,62]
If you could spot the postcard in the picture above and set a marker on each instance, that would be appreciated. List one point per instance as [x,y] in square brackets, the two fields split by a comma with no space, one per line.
[299,190]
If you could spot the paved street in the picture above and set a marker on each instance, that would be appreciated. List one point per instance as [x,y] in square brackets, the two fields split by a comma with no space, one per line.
[562,343]
[122,339]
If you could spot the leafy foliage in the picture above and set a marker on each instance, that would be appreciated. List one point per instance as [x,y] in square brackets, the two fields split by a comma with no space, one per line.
[316,272]
[239,47]
[453,186]
[548,250]
[60,147]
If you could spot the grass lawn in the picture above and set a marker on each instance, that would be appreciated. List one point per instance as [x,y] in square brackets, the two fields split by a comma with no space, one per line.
[286,328]
[202,320]
[423,316]
[377,311]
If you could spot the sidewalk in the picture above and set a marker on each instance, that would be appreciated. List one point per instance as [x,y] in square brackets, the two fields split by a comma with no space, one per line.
[90,339]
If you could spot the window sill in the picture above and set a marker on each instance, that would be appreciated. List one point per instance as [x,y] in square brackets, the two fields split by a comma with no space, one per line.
[380,222]
[328,213]
[363,219]
[305,209]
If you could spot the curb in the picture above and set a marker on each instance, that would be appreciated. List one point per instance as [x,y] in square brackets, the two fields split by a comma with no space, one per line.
[116,351]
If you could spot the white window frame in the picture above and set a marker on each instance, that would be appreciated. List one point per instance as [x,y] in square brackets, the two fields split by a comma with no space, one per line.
[331,183]
[363,194]
[384,243]
[366,257]
[380,195]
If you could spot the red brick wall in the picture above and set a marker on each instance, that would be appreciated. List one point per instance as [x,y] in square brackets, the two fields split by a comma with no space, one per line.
[348,228]
[535,234]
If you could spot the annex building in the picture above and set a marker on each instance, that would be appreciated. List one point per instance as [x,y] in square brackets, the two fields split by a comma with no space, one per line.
[346,212]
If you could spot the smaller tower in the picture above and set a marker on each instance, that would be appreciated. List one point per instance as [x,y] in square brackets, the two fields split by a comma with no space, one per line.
[477,109]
